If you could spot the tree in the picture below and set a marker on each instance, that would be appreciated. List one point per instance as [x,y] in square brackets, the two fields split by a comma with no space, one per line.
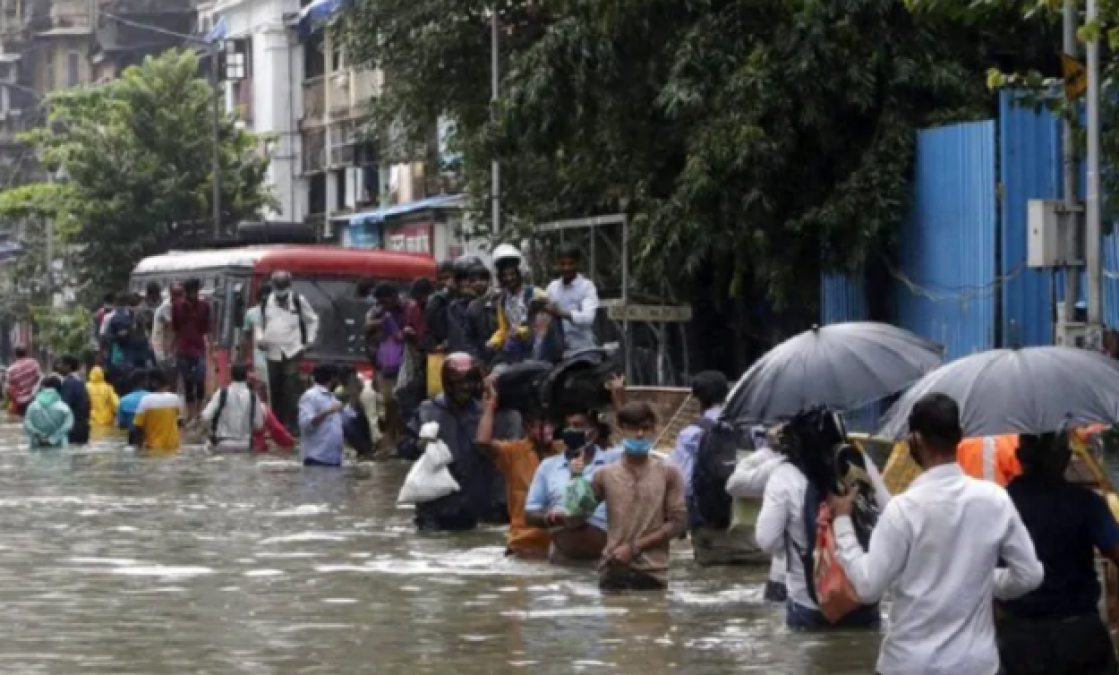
[136,154]
[753,143]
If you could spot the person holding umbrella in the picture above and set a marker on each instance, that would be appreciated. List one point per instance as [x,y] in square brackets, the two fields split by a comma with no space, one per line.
[1057,628]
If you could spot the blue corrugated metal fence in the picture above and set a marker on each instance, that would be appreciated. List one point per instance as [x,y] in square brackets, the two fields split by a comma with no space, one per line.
[1030,167]
[946,276]
[843,298]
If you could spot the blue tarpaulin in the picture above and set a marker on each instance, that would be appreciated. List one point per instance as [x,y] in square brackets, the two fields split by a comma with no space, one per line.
[378,216]
[318,13]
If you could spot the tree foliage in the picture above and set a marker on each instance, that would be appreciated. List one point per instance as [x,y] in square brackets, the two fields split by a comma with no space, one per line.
[752,142]
[135,155]
[63,331]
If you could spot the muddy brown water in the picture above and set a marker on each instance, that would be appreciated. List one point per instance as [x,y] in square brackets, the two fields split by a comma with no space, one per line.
[116,564]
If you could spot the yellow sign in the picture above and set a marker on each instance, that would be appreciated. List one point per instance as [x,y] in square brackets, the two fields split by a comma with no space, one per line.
[1075,76]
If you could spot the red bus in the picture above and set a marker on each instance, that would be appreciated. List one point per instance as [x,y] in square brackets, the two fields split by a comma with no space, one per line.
[325,275]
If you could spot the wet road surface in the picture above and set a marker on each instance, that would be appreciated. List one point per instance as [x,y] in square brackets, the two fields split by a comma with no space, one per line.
[116,564]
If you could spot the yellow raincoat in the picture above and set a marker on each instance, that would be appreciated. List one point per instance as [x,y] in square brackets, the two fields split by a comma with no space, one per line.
[103,400]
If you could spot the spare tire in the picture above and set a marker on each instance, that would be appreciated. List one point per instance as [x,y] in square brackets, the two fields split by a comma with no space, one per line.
[578,383]
[518,385]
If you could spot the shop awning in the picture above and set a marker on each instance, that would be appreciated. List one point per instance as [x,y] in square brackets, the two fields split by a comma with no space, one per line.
[379,216]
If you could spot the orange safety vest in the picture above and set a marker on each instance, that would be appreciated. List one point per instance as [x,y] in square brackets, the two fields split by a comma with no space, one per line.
[993,458]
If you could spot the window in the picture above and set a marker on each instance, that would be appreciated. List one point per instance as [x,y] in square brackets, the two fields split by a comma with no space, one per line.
[340,189]
[314,61]
[337,63]
[73,72]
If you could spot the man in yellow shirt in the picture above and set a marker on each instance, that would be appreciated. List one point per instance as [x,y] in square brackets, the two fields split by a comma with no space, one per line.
[159,415]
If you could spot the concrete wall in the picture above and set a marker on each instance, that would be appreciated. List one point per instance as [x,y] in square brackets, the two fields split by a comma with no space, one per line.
[275,96]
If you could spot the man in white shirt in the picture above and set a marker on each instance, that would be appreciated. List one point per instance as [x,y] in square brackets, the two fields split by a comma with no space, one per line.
[288,326]
[938,546]
[574,299]
[748,482]
[163,334]
[234,413]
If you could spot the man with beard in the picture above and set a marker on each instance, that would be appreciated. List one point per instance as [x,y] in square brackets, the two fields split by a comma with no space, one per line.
[458,411]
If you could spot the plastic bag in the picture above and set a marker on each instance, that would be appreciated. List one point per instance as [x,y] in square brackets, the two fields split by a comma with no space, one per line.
[744,514]
[411,388]
[429,478]
[580,501]
[837,597]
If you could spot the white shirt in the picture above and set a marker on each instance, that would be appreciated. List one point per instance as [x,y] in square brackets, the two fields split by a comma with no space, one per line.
[235,431]
[937,545]
[580,299]
[748,482]
[162,333]
[780,526]
[282,335]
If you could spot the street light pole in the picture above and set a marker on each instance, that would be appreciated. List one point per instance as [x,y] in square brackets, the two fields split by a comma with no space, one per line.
[1093,259]
[495,83]
[214,53]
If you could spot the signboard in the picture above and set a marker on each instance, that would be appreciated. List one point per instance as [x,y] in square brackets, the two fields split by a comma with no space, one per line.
[366,236]
[1075,76]
[649,313]
[409,239]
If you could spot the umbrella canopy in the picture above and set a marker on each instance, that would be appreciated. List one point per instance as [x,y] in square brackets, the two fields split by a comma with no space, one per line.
[1026,391]
[840,366]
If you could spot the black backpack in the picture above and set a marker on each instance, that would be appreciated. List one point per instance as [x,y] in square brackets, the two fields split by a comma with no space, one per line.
[297,304]
[715,460]
[223,397]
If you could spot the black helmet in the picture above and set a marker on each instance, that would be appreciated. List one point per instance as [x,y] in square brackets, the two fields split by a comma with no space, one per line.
[466,266]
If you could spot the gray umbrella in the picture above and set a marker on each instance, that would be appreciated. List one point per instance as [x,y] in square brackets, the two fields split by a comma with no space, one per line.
[1027,391]
[841,366]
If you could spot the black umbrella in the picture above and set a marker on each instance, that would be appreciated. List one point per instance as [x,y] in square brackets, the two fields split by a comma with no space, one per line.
[1027,391]
[841,366]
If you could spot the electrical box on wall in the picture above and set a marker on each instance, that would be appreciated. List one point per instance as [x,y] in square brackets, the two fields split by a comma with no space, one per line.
[1047,241]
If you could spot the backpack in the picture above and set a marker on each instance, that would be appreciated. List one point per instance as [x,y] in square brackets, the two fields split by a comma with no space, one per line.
[715,460]
[223,397]
[297,303]
[825,580]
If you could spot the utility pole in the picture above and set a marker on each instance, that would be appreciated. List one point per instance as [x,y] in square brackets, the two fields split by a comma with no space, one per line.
[1067,321]
[1093,257]
[495,167]
[215,52]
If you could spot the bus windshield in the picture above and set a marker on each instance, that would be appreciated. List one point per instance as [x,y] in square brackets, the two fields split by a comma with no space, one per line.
[341,317]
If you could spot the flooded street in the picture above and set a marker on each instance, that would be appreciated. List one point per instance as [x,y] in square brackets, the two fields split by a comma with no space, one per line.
[110,563]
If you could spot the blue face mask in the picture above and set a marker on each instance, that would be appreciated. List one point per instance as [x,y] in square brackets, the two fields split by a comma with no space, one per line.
[370,300]
[637,446]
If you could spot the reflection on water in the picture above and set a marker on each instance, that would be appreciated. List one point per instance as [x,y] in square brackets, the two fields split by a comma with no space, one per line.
[113,563]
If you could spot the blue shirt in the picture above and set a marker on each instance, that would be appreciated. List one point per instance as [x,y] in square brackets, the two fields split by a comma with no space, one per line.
[325,442]
[126,411]
[548,491]
[687,445]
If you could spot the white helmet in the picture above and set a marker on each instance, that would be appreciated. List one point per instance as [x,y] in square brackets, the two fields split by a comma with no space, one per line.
[507,254]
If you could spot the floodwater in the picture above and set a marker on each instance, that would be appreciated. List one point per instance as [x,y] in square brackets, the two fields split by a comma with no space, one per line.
[116,564]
